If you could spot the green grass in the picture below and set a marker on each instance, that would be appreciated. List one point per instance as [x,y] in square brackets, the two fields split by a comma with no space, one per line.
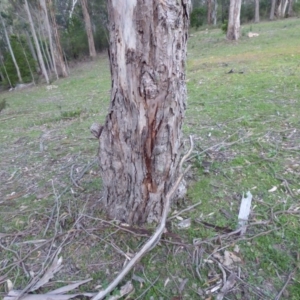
[246,130]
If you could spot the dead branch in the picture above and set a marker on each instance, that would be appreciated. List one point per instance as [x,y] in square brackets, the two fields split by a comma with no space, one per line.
[152,242]
[286,284]
[184,210]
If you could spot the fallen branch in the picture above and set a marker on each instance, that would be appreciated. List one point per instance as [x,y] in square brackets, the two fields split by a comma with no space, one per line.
[286,284]
[152,242]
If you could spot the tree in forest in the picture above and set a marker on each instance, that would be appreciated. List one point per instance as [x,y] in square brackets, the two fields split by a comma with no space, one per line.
[11,52]
[88,27]
[256,18]
[36,42]
[209,11]
[272,12]
[58,52]
[290,12]
[233,30]
[140,141]
[23,59]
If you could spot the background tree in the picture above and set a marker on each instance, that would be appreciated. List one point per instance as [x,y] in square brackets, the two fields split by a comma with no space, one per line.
[37,45]
[272,12]
[58,52]
[140,141]
[209,11]
[88,27]
[233,30]
[256,20]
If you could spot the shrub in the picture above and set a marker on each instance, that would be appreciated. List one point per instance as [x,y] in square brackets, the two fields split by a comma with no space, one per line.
[198,16]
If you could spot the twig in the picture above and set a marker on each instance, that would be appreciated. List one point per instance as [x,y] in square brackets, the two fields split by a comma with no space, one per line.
[285,285]
[147,289]
[184,210]
[155,237]
[73,180]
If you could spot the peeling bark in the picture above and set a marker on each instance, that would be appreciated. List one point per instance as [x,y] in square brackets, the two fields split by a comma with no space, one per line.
[233,31]
[141,138]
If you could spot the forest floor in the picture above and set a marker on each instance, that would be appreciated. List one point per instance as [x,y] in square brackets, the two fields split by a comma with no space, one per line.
[243,111]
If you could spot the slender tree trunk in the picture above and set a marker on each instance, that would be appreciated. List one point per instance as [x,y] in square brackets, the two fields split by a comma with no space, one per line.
[51,44]
[290,9]
[7,76]
[88,27]
[256,20]
[37,46]
[43,51]
[59,58]
[215,12]
[25,55]
[278,9]
[283,8]
[223,11]
[233,31]
[272,12]
[141,139]
[32,51]
[11,50]
[209,8]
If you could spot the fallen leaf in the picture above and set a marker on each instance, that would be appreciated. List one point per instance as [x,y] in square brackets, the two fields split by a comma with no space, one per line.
[125,289]
[273,189]
[69,287]
[10,285]
[230,258]
[185,223]
[54,268]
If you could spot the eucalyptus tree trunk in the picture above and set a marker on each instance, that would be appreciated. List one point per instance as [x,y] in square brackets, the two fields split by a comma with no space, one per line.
[290,12]
[233,31]
[215,12]
[209,12]
[51,44]
[140,141]
[256,20]
[59,58]
[88,28]
[272,12]
[11,50]
[36,42]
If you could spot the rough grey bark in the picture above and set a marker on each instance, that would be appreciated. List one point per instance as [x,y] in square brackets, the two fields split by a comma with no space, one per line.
[256,19]
[140,141]
[36,42]
[233,31]
[272,12]
[88,28]
[11,50]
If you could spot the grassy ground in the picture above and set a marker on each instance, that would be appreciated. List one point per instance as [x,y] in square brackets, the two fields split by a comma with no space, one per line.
[247,134]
